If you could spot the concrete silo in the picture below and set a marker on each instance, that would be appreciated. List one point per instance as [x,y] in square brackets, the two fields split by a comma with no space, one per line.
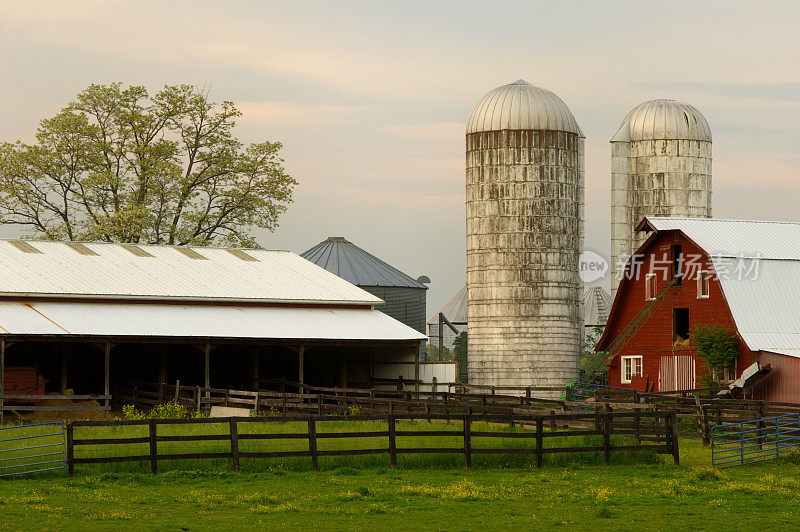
[525,195]
[660,166]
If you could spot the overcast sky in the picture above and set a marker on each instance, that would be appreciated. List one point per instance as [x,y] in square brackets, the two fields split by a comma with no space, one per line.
[370,98]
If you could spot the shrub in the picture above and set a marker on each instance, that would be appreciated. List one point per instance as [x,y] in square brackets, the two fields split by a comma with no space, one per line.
[716,344]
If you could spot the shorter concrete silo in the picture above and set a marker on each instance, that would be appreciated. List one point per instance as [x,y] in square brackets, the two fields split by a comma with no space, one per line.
[660,166]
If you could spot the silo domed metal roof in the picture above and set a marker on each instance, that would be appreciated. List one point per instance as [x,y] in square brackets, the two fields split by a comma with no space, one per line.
[520,105]
[663,120]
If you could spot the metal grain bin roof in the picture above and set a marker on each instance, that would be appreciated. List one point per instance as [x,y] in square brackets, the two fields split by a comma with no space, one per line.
[117,271]
[596,306]
[662,120]
[455,309]
[350,262]
[758,267]
[520,105]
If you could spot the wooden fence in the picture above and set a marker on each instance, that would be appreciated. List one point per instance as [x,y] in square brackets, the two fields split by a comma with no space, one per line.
[654,431]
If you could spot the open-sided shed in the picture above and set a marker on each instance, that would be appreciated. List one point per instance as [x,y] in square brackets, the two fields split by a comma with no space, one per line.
[89,316]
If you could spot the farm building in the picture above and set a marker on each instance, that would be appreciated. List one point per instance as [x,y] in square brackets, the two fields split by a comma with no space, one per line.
[596,306]
[455,310]
[404,297]
[90,317]
[741,274]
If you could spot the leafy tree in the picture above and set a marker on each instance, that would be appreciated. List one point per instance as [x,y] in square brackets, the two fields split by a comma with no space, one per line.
[593,364]
[118,165]
[460,349]
[716,344]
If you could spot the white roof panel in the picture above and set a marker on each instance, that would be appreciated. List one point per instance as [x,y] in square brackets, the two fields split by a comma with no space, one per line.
[168,272]
[764,293]
[737,238]
[101,319]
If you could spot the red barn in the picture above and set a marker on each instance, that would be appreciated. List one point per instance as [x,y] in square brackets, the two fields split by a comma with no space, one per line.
[738,273]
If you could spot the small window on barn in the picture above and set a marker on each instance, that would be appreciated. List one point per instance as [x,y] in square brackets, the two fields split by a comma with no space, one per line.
[703,285]
[680,321]
[631,367]
[650,286]
[80,248]
[192,254]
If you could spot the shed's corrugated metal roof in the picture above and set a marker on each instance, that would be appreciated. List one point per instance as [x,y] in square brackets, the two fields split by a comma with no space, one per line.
[455,309]
[764,295]
[167,272]
[661,120]
[737,238]
[520,105]
[79,318]
[596,306]
[350,262]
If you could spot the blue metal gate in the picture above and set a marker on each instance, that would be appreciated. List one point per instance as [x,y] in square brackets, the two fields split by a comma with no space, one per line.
[754,441]
[26,449]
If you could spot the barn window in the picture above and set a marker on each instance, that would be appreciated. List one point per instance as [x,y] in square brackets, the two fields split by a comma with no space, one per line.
[680,322]
[677,264]
[650,286]
[703,285]
[631,367]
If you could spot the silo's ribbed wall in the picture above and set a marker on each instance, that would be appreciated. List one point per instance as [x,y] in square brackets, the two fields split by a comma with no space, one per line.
[524,235]
[655,178]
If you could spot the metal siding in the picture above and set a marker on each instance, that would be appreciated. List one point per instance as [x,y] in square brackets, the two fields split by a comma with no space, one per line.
[199,321]
[116,273]
[406,305]
[455,309]
[783,383]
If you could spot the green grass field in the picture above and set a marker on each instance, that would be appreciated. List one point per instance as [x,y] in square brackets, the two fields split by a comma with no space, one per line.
[651,496]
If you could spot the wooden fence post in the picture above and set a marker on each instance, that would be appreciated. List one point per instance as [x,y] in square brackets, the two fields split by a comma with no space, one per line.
[153,447]
[312,444]
[636,425]
[673,416]
[235,444]
[392,443]
[70,450]
[467,442]
[704,421]
[539,442]
[607,437]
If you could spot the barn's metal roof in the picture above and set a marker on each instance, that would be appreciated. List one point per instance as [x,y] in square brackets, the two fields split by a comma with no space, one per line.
[455,309]
[758,266]
[520,105]
[343,258]
[146,319]
[596,306]
[662,120]
[116,271]
[735,238]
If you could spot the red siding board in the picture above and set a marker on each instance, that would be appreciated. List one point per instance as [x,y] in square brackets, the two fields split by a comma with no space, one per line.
[654,339]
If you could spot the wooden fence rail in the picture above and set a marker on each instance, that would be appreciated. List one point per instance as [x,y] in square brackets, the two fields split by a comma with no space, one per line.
[659,425]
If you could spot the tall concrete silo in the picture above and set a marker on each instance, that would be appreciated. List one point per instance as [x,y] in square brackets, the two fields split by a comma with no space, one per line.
[525,197]
[660,166]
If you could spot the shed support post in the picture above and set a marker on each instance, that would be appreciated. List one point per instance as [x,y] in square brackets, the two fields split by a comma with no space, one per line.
[207,381]
[162,366]
[2,377]
[300,363]
[416,368]
[63,370]
[255,370]
[107,370]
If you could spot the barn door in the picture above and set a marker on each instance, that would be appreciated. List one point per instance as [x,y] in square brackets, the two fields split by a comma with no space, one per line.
[676,373]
